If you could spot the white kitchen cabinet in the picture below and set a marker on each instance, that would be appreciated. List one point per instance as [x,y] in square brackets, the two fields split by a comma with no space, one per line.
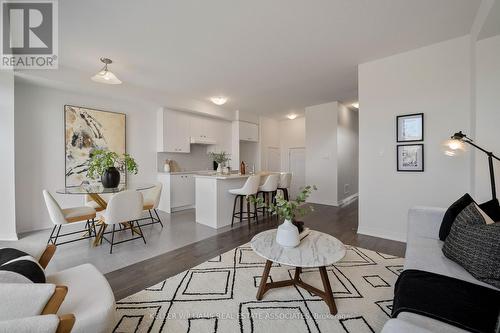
[182,190]
[248,131]
[176,132]
[223,137]
[203,129]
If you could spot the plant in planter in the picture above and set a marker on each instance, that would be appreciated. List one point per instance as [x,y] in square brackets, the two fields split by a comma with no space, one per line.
[288,232]
[220,158]
[107,165]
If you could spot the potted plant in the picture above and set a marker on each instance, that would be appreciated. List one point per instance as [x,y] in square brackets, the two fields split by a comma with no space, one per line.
[288,232]
[220,158]
[107,165]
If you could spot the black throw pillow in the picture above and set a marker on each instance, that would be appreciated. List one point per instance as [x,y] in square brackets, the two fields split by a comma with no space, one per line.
[492,209]
[19,267]
[452,213]
[473,244]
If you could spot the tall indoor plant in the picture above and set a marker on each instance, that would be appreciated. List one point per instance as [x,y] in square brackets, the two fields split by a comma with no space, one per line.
[288,232]
[107,165]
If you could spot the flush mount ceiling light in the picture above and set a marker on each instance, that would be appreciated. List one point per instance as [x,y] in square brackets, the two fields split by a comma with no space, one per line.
[291,116]
[355,105]
[219,100]
[105,75]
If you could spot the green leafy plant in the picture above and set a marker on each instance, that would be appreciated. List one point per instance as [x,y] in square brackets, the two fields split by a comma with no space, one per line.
[220,158]
[289,210]
[101,160]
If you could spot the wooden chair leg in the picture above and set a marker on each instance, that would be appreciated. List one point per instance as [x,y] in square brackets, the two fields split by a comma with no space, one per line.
[158,216]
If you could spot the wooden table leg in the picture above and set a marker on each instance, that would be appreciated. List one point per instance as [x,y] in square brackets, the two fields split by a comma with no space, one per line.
[328,291]
[263,281]
[298,270]
[99,200]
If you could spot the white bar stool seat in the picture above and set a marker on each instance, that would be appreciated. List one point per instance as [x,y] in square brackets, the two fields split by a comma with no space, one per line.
[268,190]
[284,184]
[249,189]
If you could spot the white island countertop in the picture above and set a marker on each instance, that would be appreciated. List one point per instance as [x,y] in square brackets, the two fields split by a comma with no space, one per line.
[221,176]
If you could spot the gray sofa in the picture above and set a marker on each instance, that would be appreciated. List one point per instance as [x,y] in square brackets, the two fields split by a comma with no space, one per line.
[423,252]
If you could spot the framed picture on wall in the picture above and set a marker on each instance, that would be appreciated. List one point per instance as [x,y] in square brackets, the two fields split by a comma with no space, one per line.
[410,127]
[85,130]
[410,157]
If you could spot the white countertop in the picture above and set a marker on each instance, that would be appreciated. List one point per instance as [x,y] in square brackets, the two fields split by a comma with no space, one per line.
[202,172]
[220,176]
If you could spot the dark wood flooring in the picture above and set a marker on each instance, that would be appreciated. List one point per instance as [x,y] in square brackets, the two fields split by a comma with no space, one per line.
[341,222]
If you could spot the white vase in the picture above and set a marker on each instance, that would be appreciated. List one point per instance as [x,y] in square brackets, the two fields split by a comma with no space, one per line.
[219,168]
[287,234]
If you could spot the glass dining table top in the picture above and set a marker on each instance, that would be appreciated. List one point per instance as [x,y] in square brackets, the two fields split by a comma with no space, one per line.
[99,189]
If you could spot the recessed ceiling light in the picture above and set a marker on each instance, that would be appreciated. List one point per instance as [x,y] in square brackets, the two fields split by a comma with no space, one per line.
[105,75]
[219,100]
[355,105]
[291,116]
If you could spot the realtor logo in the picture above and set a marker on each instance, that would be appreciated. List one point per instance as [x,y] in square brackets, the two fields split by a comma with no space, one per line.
[29,34]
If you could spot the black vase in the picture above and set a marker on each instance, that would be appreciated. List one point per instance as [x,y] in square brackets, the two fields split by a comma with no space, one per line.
[110,178]
[216,165]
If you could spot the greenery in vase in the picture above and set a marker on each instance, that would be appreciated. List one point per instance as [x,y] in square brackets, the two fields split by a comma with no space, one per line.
[289,210]
[221,158]
[101,160]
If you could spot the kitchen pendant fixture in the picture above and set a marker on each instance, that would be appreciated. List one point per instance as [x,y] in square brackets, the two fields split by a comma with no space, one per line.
[105,75]
[219,100]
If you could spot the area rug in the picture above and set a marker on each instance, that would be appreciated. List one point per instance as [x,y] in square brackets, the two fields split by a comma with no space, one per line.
[219,296]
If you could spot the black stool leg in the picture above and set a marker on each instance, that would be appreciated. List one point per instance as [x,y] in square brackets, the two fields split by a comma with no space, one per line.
[112,240]
[255,209]
[234,210]
[248,211]
[241,208]
[158,216]
[151,216]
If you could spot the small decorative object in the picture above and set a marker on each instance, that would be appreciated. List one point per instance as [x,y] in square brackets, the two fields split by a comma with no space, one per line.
[166,166]
[216,165]
[410,157]
[85,131]
[108,165]
[226,170]
[288,232]
[410,127]
[220,158]
[242,168]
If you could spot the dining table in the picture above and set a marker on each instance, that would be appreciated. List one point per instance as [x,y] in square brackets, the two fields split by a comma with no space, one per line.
[95,191]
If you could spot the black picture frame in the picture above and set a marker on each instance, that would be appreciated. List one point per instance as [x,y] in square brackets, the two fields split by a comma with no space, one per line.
[409,116]
[399,148]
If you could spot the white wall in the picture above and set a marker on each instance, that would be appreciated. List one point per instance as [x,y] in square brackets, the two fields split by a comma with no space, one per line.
[40,146]
[7,151]
[321,152]
[269,137]
[434,80]
[347,153]
[487,113]
[292,135]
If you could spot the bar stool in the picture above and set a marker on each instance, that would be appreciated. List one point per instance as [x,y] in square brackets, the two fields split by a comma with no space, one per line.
[248,190]
[268,190]
[284,184]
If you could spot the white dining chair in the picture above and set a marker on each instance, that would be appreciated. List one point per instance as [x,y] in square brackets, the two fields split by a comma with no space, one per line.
[65,216]
[268,191]
[124,208]
[284,184]
[248,190]
[151,202]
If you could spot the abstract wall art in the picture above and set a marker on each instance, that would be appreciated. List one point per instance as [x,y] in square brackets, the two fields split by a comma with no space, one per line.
[85,130]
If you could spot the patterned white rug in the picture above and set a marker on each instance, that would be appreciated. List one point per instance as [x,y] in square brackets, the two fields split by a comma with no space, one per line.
[219,296]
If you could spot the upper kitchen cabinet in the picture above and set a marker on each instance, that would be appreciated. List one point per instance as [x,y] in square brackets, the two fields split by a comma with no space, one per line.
[248,131]
[203,130]
[173,132]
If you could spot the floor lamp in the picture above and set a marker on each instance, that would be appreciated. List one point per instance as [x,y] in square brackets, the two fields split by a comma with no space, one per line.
[457,143]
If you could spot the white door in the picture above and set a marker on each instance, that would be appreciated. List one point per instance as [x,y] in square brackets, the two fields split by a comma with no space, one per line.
[297,166]
[273,159]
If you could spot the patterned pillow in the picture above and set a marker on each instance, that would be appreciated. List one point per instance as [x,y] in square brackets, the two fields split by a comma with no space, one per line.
[474,244]
[19,267]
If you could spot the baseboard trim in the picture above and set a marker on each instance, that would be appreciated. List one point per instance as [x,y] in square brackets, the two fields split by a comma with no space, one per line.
[395,236]
[347,200]
[10,237]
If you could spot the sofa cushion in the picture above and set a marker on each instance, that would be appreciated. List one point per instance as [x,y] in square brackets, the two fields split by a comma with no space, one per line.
[474,245]
[492,209]
[89,298]
[19,267]
[452,213]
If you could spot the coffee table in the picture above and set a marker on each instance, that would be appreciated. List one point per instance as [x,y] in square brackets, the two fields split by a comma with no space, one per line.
[316,250]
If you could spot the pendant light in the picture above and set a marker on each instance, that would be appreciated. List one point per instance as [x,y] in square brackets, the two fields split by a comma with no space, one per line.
[105,75]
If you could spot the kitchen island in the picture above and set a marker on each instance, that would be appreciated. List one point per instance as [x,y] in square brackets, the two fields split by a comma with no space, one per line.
[214,203]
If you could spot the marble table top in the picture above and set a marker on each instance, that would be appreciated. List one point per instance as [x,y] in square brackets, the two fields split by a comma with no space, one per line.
[316,249]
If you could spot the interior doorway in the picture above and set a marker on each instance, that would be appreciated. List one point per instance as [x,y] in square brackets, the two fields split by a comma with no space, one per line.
[297,166]
[273,157]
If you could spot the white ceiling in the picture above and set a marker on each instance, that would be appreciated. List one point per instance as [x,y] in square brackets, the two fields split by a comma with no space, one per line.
[266,56]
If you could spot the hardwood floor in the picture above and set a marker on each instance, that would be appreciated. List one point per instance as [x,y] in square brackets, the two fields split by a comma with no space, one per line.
[341,222]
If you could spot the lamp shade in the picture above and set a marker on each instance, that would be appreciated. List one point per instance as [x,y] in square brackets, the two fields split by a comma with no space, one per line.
[106,76]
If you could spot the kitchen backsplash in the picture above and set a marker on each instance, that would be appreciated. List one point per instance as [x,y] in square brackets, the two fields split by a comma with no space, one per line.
[197,160]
